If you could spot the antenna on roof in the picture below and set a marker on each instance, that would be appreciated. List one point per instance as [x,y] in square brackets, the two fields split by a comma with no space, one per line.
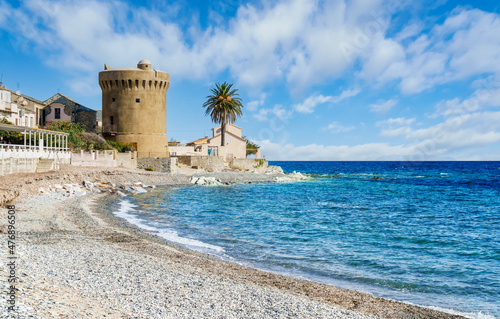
[1,79]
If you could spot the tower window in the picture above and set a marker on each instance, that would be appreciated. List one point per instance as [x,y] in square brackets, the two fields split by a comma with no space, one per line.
[57,114]
[111,120]
[113,99]
[137,100]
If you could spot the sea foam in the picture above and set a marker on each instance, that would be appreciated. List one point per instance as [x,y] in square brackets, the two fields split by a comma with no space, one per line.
[127,210]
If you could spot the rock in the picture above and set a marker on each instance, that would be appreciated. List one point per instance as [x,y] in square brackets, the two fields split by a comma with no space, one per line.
[208,181]
[273,169]
[88,184]
[295,176]
[103,185]
[138,189]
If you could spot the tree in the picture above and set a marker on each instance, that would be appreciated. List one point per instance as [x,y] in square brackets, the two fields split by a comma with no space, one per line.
[223,106]
[252,147]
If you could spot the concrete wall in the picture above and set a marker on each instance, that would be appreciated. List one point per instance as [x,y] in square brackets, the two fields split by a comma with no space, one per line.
[167,165]
[198,150]
[211,163]
[26,160]
[250,164]
[181,150]
[127,159]
[134,108]
[104,159]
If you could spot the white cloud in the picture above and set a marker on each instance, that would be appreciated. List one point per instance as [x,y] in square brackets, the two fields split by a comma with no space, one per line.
[301,42]
[254,105]
[409,31]
[294,40]
[311,102]
[4,11]
[345,94]
[454,139]
[382,107]
[465,44]
[262,115]
[278,111]
[374,151]
[480,98]
[395,127]
[336,127]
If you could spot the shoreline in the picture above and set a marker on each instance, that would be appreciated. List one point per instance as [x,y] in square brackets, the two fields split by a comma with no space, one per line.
[86,222]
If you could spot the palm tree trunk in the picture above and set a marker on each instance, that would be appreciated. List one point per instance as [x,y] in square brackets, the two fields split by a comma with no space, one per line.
[223,134]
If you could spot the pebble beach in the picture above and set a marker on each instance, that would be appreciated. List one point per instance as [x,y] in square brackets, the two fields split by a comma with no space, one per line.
[77,260]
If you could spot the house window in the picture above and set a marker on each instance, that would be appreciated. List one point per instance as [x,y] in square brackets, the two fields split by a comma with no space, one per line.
[36,117]
[57,115]
[113,99]
[111,120]
[137,100]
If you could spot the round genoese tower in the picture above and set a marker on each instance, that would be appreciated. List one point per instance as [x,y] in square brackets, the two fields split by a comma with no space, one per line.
[134,108]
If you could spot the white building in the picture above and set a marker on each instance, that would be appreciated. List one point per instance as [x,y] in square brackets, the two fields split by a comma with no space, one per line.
[19,109]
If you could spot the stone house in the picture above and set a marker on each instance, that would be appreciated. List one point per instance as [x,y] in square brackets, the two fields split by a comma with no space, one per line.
[20,109]
[61,108]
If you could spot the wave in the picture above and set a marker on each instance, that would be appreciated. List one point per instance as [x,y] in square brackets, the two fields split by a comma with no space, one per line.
[126,211]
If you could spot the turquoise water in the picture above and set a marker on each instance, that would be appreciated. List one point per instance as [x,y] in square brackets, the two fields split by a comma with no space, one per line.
[425,233]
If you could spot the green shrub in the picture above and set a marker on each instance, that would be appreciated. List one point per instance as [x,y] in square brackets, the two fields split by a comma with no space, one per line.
[122,147]
[11,137]
[74,129]
[251,147]
[92,141]
[150,168]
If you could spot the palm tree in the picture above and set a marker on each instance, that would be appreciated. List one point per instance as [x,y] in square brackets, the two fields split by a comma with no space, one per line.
[223,106]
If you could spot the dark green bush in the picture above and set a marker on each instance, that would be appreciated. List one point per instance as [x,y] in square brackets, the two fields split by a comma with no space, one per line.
[121,147]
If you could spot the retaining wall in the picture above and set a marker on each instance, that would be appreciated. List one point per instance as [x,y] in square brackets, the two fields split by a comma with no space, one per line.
[250,164]
[210,163]
[26,160]
[104,159]
[161,164]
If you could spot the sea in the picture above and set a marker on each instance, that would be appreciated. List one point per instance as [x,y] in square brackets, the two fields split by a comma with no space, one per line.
[425,233]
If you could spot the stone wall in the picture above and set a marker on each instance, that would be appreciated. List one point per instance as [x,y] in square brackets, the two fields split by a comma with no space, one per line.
[250,164]
[87,119]
[161,164]
[209,163]
[127,159]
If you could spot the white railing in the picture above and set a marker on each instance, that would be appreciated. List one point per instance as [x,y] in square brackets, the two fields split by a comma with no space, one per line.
[18,147]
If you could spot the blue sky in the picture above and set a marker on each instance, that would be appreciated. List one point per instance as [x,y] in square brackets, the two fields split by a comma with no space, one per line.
[320,80]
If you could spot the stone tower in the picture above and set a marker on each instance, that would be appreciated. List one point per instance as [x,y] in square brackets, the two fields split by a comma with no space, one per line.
[134,107]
